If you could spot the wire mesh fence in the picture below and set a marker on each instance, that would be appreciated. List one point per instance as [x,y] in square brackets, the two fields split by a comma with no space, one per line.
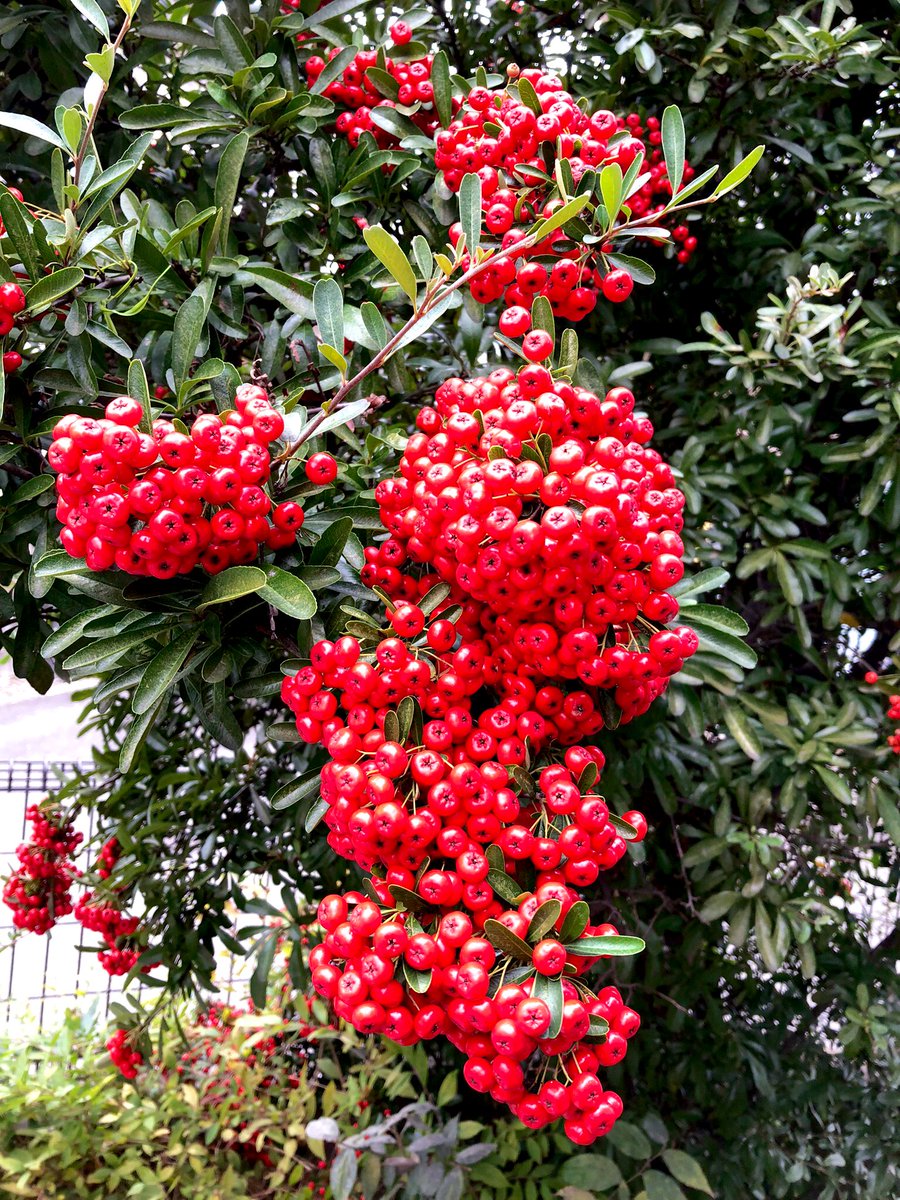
[43,976]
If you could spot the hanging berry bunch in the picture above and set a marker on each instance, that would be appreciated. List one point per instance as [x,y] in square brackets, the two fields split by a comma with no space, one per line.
[376,81]
[893,712]
[163,502]
[39,890]
[102,913]
[517,139]
[12,301]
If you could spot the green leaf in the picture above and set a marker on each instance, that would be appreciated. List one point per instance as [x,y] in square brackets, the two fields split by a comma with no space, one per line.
[232,584]
[443,88]
[673,144]
[718,905]
[31,128]
[550,990]
[694,585]
[418,981]
[330,546]
[661,1187]
[105,649]
[575,923]
[556,221]
[288,594]
[723,619]
[32,488]
[506,941]
[503,885]
[186,334]
[739,173]
[51,287]
[314,816]
[593,1172]
[890,816]
[543,920]
[71,631]
[101,64]
[16,218]
[640,271]
[725,644]
[387,250]
[611,191]
[542,316]
[788,581]
[139,389]
[333,69]
[328,303]
[615,945]
[228,179]
[686,1170]
[342,1176]
[56,563]
[374,323]
[295,791]
[92,12]
[470,212]
[161,671]
[743,733]
[294,294]
[630,1140]
[232,43]
[137,734]
[265,956]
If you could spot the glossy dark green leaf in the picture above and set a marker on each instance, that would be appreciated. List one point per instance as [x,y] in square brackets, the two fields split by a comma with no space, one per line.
[161,671]
[288,594]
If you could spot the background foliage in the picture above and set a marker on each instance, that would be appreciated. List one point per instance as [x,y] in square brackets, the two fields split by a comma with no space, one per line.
[769,367]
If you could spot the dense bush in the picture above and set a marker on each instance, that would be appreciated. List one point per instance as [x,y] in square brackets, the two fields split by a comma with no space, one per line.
[768,365]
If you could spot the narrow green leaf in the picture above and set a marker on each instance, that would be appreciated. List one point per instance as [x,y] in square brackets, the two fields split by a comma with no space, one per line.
[686,1170]
[612,944]
[232,43]
[161,672]
[640,271]
[334,68]
[232,584]
[550,224]
[694,585]
[328,302]
[139,389]
[137,734]
[105,649]
[575,923]
[31,128]
[288,594]
[506,941]
[611,191]
[716,617]
[228,179]
[92,12]
[543,920]
[724,644]
[387,250]
[673,145]
[186,334]
[374,323]
[314,816]
[542,316]
[470,212]
[50,288]
[890,816]
[295,791]
[739,173]
[743,733]
[550,990]
[18,220]
[443,88]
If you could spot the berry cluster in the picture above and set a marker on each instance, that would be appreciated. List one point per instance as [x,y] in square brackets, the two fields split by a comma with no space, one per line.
[356,90]
[12,301]
[103,915]
[123,1054]
[893,713]
[39,890]
[532,539]
[507,991]
[511,147]
[556,524]
[164,502]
